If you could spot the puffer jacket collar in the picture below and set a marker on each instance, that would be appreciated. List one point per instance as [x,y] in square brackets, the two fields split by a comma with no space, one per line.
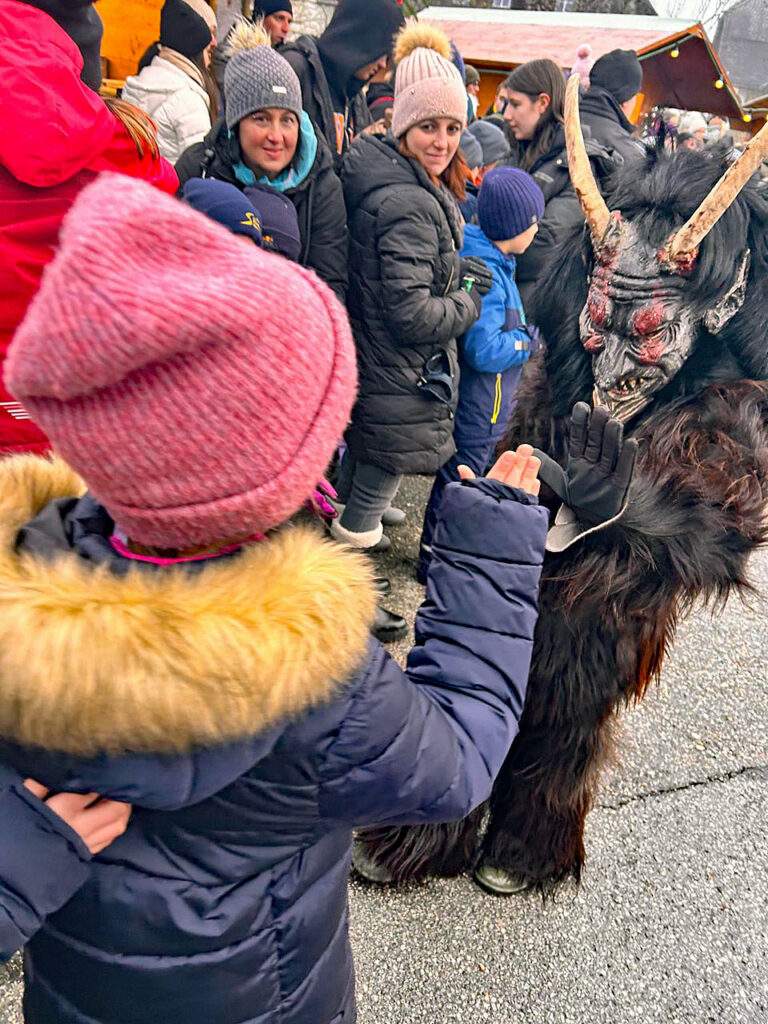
[164,661]
[374,163]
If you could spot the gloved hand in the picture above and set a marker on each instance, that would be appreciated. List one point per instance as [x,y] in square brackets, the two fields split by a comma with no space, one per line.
[475,275]
[595,482]
[318,503]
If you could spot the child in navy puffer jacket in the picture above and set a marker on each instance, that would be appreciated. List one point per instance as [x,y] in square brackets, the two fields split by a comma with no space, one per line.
[493,351]
[166,642]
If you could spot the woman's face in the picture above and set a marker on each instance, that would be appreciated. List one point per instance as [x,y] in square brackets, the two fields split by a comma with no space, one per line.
[268,140]
[434,143]
[523,114]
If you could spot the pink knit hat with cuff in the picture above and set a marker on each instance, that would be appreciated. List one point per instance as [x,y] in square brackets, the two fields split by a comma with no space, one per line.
[197,383]
[427,83]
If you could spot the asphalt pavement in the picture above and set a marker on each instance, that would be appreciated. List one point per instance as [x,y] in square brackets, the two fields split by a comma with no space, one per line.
[670,922]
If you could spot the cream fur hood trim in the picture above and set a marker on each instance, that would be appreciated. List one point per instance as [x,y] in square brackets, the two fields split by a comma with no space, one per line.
[167,661]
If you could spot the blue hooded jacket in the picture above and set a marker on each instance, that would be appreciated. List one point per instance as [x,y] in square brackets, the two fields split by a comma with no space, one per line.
[245,712]
[493,350]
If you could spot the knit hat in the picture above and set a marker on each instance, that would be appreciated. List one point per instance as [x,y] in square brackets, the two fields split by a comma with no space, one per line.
[201,406]
[257,77]
[619,73]
[279,223]
[508,204]
[264,7]
[471,75]
[492,139]
[583,64]
[472,150]
[80,20]
[427,83]
[206,12]
[225,204]
[182,29]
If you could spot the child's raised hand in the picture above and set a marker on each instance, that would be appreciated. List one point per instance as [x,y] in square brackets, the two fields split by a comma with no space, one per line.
[516,469]
[98,822]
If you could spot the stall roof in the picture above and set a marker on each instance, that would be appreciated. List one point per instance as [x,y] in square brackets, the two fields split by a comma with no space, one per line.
[503,39]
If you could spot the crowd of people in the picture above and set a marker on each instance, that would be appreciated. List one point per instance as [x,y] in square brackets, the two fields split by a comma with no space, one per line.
[269,263]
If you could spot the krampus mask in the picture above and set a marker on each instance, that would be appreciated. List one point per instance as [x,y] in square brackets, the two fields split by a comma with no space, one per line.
[639,324]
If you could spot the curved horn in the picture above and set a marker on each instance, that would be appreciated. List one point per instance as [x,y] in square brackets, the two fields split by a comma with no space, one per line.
[684,243]
[585,186]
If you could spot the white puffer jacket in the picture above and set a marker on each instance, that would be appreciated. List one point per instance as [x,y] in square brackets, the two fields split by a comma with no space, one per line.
[175,100]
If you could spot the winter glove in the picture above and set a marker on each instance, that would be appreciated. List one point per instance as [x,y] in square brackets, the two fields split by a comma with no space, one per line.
[535,338]
[475,275]
[595,482]
[319,504]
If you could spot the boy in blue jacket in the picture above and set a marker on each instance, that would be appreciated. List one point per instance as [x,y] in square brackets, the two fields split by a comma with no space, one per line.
[491,354]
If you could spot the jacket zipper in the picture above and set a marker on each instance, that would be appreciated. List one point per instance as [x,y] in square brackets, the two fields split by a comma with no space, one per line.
[497,400]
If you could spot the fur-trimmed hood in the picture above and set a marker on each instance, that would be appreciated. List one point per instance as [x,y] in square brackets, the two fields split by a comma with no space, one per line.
[168,661]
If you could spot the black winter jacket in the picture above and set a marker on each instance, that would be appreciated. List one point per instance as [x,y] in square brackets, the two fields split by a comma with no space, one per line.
[562,211]
[609,127]
[318,100]
[405,306]
[319,202]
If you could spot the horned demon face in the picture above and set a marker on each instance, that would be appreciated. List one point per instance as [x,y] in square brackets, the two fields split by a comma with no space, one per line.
[636,324]
[639,323]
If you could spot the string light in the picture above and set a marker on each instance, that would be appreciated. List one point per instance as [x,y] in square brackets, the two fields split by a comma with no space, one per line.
[674,53]
[719,83]
[747,117]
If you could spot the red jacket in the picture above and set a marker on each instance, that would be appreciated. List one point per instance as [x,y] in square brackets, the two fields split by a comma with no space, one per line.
[56,135]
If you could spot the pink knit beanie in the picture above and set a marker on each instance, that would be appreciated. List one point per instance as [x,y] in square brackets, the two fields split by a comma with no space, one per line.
[427,83]
[197,383]
[583,64]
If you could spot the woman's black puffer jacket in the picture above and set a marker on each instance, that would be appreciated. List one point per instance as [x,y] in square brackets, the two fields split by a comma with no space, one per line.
[318,201]
[405,305]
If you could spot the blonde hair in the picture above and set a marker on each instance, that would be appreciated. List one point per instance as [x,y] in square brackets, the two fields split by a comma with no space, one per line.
[139,126]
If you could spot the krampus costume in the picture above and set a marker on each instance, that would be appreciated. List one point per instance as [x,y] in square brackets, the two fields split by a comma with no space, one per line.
[657,311]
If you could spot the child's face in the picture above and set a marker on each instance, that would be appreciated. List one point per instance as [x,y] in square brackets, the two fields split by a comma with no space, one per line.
[517,245]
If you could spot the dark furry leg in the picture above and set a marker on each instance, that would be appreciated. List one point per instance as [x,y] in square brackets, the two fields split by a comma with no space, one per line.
[412,852]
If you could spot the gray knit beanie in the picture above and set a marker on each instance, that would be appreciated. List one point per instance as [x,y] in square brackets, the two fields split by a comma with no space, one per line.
[257,77]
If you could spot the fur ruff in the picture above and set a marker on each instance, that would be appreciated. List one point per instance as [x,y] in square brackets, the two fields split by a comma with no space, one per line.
[420,35]
[167,661]
[247,35]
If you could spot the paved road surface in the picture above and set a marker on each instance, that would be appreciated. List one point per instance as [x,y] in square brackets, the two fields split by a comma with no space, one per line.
[670,923]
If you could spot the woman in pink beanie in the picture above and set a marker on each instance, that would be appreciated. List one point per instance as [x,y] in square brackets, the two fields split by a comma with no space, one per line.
[166,642]
[410,296]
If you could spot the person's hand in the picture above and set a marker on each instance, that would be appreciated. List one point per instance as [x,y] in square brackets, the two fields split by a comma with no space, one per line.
[318,502]
[601,464]
[515,469]
[475,275]
[97,821]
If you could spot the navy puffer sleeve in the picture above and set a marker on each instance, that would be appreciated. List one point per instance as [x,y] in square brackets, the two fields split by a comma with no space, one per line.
[43,862]
[425,745]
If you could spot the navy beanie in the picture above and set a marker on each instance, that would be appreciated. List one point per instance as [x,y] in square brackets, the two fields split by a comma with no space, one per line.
[619,73]
[493,141]
[509,203]
[226,204]
[182,29]
[279,223]
[472,150]
[264,7]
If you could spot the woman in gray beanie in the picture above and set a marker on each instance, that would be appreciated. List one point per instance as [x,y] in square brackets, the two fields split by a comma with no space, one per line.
[266,138]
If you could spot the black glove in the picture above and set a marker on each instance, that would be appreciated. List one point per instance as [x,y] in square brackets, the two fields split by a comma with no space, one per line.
[475,275]
[595,483]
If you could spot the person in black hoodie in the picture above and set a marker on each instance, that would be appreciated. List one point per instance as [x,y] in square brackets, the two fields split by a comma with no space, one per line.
[334,68]
[267,139]
[615,80]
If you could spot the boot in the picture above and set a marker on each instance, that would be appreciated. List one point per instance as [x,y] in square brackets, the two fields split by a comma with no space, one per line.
[368,540]
[392,516]
[499,882]
[388,626]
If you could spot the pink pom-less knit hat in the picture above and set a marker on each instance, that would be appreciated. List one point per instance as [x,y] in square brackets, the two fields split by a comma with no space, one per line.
[198,384]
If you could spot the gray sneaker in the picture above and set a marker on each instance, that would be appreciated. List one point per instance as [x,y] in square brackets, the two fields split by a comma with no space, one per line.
[366,866]
[393,516]
[498,881]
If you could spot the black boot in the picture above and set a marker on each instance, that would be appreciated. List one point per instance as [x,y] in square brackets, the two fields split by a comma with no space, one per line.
[387,626]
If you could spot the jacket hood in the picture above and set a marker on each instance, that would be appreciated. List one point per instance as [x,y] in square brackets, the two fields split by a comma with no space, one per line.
[598,102]
[165,661]
[159,80]
[55,125]
[359,32]
[478,244]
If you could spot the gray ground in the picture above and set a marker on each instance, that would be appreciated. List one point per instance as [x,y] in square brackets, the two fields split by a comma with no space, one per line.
[670,924]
